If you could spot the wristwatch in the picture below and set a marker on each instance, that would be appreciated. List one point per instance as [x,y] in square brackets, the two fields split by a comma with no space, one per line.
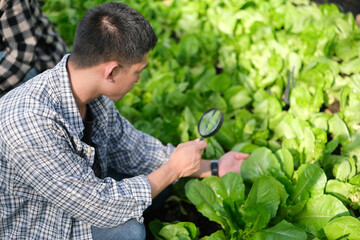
[214,167]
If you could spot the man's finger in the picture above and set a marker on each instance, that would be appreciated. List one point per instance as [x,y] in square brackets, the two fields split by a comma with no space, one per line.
[239,155]
[202,144]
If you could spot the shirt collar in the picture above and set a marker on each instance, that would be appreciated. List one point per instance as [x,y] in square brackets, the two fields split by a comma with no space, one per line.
[68,105]
[67,102]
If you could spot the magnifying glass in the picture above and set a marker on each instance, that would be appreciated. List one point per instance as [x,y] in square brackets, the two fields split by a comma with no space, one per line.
[210,123]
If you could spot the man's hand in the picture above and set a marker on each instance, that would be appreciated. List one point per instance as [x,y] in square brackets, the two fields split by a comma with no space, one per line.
[184,161]
[186,158]
[231,162]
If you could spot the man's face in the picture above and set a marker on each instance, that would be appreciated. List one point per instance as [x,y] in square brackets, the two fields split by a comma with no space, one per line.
[124,79]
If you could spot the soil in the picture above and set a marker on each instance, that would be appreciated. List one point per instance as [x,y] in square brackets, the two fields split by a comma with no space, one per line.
[175,209]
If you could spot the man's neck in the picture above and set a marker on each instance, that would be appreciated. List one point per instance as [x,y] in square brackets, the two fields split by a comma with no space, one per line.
[82,87]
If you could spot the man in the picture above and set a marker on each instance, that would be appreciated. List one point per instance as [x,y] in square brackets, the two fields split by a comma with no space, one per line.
[28,43]
[61,137]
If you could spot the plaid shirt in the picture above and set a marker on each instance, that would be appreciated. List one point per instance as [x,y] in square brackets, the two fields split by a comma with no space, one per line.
[29,40]
[47,187]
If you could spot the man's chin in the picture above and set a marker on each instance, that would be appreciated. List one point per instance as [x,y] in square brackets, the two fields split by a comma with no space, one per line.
[115,98]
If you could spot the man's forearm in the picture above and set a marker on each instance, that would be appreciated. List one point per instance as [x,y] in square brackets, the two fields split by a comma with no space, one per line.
[163,177]
[160,179]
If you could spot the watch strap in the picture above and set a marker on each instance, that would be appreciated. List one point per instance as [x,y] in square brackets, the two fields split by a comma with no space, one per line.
[214,166]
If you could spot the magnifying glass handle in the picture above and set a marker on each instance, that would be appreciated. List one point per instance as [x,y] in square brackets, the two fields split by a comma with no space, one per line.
[201,138]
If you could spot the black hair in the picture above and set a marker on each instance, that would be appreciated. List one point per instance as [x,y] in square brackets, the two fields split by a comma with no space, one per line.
[112,31]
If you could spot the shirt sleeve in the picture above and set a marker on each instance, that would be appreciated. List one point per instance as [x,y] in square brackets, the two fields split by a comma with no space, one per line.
[134,152]
[50,166]
[19,40]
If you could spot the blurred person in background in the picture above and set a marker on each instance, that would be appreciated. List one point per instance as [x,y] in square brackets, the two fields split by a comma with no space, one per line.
[28,43]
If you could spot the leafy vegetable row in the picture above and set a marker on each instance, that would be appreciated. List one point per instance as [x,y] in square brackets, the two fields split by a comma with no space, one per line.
[287,76]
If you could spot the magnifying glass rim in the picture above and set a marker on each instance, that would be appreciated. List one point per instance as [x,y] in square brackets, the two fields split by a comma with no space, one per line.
[217,127]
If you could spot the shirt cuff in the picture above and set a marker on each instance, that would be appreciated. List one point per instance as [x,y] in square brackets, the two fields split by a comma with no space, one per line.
[141,191]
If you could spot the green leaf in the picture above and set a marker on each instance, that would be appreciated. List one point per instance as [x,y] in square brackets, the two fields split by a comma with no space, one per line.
[155,226]
[320,120]
[202,84]
[224,25]
[293,147]
[220,83]
[351,67]
[345,226]
[330,161]
[331,146]
[218,235]
[338,128]
[237,97]
[309,145]
[352,148]
[256,217]
[286,160]
[345,49]
[303,104]
[231,214]
[282,126]
[189,17]
[203,197]
[267,191]
[130,113]
[226,135]
[217,101]
[282,231]
[266,105]
[149,111]
[176,99]
[349,102]
[294,210]
[176,230]
[319,73]
[318,212]
[217,186]
[234,186]
[245,147]
[345,170]
[213,150]
[342,190]
[261,162]
[299,126]
[249,128]
[310,181]
[189,49]
[355,180]
[294,61]
[183,131]
[191,228]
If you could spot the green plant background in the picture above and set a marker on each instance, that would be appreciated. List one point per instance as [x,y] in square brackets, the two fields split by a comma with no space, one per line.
[286,75]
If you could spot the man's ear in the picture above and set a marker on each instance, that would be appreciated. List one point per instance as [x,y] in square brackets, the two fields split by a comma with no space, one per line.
[110,68]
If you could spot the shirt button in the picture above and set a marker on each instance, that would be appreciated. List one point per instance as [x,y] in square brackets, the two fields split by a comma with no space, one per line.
[89,151]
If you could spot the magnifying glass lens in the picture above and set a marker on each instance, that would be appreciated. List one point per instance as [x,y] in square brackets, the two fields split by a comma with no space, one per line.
[210,122]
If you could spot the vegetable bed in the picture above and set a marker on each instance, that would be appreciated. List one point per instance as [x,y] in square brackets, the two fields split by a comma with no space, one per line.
[286,75]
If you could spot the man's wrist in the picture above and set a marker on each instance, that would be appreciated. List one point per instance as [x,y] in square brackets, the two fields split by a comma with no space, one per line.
[214,166]
[174,175]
